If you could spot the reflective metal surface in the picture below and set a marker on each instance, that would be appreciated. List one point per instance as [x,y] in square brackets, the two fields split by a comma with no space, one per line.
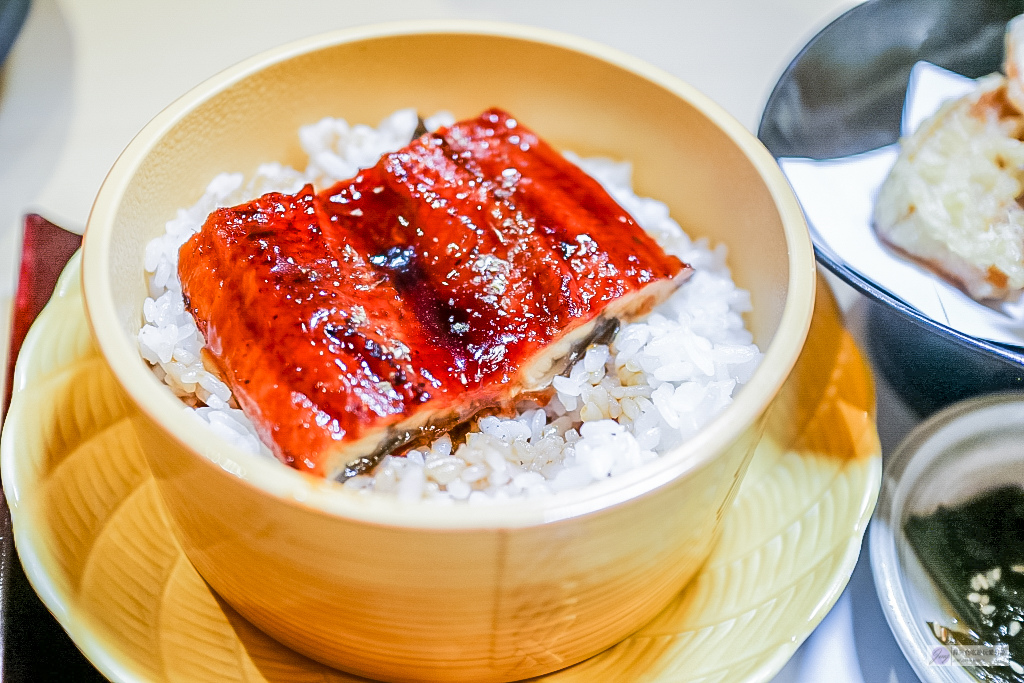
[843,94]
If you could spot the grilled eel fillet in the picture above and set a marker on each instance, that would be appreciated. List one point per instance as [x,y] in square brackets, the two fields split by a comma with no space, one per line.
[458,273]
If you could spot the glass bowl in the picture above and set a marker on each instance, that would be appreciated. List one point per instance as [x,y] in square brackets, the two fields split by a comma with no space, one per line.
[965,450]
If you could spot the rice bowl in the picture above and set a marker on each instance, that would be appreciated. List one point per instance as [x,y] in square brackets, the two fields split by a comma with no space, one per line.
[520,586]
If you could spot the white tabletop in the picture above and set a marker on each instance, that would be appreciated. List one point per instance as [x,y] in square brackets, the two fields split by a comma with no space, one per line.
[84,77]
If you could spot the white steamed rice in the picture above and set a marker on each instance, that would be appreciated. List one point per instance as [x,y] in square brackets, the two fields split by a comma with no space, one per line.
[658,382]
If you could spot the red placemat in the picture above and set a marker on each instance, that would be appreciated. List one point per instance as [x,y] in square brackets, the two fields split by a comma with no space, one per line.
[33,646]
[45,251]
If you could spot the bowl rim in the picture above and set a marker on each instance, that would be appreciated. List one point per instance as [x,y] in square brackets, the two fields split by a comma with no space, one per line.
[323,496]
[836,264]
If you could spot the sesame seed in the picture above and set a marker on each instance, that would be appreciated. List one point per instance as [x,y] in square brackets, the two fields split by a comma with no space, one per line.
[988,609]
[974,597]
[1017,668]
[993,575]
[1014,628]
[1019,568]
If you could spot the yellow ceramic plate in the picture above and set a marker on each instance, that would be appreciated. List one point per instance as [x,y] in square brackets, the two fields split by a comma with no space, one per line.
[95,542]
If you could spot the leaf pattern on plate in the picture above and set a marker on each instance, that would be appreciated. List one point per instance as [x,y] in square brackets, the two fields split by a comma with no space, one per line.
[98,547]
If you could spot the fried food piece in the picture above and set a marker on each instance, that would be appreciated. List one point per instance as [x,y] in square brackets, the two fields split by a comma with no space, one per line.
[952,199]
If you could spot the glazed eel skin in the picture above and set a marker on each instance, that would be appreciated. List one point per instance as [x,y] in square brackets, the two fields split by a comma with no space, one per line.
[458,273]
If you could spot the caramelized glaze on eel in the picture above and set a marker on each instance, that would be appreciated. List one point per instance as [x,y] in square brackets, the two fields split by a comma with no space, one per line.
[458,273]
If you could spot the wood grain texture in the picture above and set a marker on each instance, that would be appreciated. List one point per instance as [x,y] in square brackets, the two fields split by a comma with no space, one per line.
[516,589]
[97,545]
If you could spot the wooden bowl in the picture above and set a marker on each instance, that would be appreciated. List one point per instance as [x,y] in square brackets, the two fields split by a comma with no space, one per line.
[405,591]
